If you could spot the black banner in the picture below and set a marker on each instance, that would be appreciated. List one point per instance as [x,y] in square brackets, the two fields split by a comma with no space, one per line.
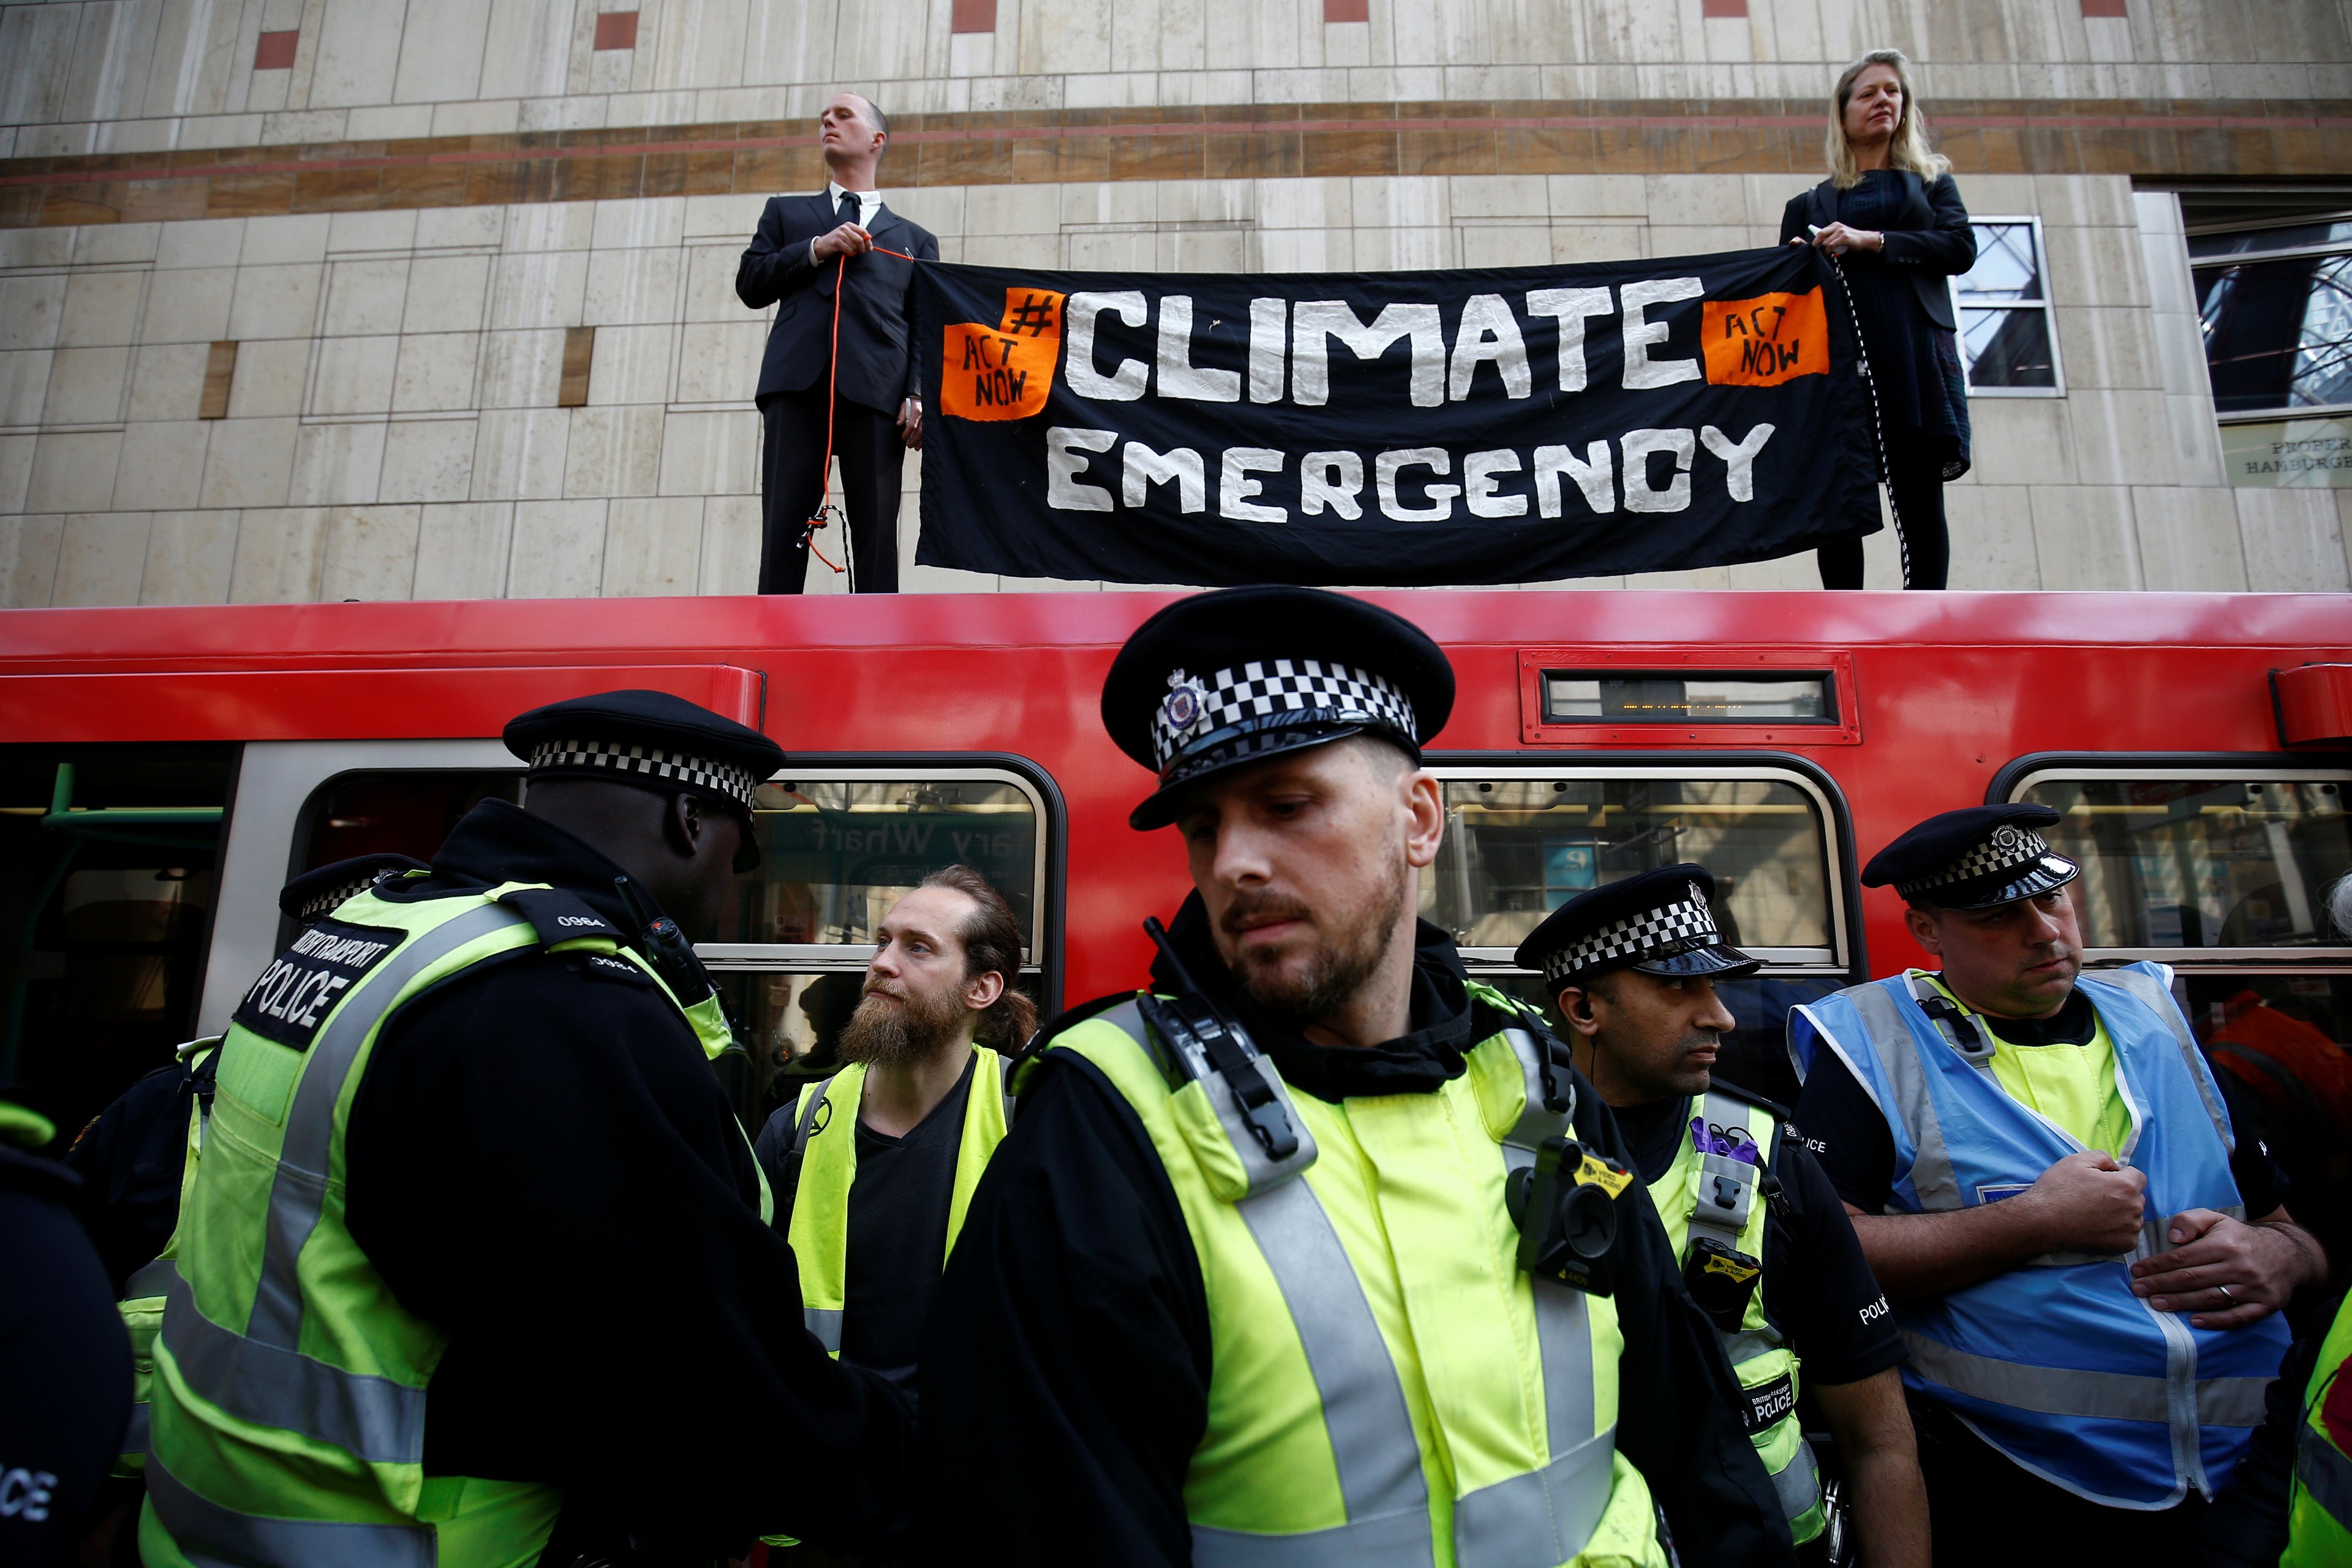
[1403,429]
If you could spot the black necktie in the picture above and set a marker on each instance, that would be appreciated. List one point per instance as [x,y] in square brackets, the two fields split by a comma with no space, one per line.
[849,206]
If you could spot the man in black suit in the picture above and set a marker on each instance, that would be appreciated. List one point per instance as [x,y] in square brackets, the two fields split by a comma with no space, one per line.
[805,249]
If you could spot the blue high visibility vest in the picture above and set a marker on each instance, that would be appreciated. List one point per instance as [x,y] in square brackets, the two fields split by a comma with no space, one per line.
[2056,1364]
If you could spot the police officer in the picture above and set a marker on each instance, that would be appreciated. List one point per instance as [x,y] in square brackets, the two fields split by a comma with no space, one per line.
[1767,1250]
[65,1369]
[1244,1284]
[2041,1172]
[874,1166]
[475,1268]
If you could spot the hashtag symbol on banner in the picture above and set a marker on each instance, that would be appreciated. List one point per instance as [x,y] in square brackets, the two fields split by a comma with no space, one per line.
[1033,317]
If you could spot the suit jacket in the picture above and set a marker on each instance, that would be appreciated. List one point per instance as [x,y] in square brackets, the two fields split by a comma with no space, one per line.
[1929,240]
[877,368]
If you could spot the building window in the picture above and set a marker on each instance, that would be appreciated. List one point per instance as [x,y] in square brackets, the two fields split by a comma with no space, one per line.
[2276,308]
[2007,341]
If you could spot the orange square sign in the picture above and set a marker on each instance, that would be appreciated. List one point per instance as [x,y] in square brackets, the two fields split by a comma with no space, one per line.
[1766,341]
[1003,371]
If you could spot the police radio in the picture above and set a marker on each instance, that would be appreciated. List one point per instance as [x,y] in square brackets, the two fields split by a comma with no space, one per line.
[1207,1044]
[1565,1206]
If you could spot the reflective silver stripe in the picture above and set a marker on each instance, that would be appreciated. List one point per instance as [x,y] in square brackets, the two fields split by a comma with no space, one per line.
[1749,1343]
[1535,1123]
[298,1195]
[1397,1541]
[135,1435]
[370,1418]
[1541,1518]
[1888,1037]
[824,1322]
[2325,1474]
[2157,999]
[155,1280]
[209,1534]
[1258,1169]
[2068,1391]
[1372,1441]
[1798,1483]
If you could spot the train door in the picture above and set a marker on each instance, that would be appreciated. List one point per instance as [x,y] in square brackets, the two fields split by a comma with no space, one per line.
[1524,837]
[108,863]
[2221,867]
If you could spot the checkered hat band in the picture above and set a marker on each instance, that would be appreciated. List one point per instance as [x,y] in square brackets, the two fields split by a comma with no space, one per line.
[326,903]
[1262,689]
[703,773]
[2011,848]
[1657,932]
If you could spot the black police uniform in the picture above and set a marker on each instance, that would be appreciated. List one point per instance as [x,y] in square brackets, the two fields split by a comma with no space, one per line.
[541,1161]
[1071,1327]
[65,1365]
[1816,1286]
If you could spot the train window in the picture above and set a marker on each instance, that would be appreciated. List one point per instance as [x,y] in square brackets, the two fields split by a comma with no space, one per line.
[1683,697]
[108,857]
[1520,842]
[838,849]
[2224,874]
[2202,859]
[399,812]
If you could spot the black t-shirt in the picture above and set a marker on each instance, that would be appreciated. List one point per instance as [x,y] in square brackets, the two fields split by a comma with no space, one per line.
[1817,1286]
[899,1235]
[1846,1131]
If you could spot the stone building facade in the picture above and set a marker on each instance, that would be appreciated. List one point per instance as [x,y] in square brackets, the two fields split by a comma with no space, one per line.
[432,298]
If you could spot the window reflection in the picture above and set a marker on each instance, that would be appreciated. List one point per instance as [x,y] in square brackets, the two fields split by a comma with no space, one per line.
[2201,862]
[836,854]
[1516,849]
[2278,335]
[2005,266]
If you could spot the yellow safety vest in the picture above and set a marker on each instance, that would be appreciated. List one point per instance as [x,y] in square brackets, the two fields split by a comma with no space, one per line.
[1766,1365]
[1388,1389]
[825,1134]
[288,1409]
[2319,1504]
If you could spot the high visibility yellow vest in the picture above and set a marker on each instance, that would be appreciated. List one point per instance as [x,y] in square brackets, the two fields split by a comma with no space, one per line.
[1388,1389]
[2319,1504]
[143,1293]
[826,1120]
[1717,1194]
[287,1416]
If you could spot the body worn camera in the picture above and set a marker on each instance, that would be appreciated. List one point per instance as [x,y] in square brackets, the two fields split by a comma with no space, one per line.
[1566,1208]
[1722,1280]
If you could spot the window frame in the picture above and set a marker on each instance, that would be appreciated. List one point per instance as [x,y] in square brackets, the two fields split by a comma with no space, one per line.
[1044,944]
[2283,413]
[2047,305]
[1846,957]
[2008,786]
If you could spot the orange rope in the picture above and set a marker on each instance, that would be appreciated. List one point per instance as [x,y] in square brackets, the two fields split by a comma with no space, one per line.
[817,519]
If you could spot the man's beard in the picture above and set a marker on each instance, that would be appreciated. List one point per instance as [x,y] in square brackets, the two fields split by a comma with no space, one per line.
[1339,963]
[887,1033]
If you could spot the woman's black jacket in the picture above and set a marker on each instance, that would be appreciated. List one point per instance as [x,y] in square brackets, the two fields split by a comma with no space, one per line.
[1927,241]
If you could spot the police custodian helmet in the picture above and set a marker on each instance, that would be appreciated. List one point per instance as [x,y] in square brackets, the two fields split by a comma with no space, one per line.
[1974,858]
[1658,922]
[654,742]
[1243,674]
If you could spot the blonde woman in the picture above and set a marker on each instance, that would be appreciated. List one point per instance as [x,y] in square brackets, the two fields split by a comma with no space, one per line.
[1892,213]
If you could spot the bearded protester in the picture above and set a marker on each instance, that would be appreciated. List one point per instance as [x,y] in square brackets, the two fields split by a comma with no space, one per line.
[1766,1249]
[2086,1263]
[1245,1284]
[874,1167]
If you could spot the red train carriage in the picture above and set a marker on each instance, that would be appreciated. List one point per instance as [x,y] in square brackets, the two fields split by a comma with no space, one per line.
[164,771]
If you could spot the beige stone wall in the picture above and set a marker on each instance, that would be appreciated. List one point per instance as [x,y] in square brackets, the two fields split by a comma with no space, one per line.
[393,429]
[133,75]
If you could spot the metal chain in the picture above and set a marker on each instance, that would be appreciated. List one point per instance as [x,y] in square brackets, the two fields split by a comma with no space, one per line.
[1877,419]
